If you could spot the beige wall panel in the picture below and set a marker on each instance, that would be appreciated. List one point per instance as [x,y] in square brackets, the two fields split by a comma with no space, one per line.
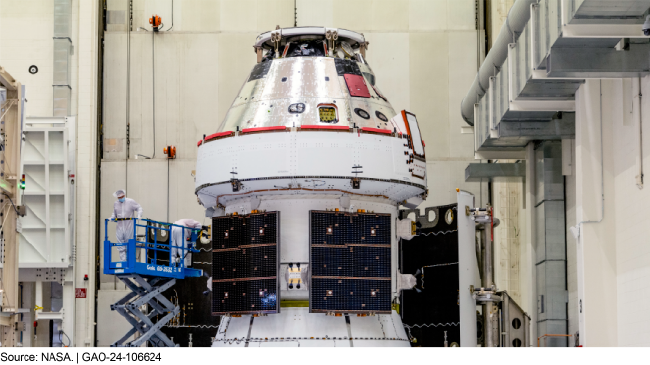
[111,326]
[239,16]
[315,13]
[141,96]
[141,15]
[457,180]
[197,15]
[147,184]
[16,56]
[271,13]
[144,9]
[438,183]
[182,201]
[429,91]
[388,55]
[113,177]
[499,10]
[186,92]
[114,94]
[169,69]
[236,60]
[461,14]
[199,93]
[390,15]
[427,15]
[444,177]
[462,62]
[353,15]
[117,5]
[25,40]
[17,8]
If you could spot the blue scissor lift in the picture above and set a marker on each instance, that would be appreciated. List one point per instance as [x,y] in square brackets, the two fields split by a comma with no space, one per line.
[148,278]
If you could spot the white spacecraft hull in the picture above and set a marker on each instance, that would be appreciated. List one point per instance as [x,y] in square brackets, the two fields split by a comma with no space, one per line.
[309,132]
[296,327]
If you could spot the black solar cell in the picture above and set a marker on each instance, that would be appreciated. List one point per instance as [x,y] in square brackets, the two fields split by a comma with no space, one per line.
[351,262]
[245,264]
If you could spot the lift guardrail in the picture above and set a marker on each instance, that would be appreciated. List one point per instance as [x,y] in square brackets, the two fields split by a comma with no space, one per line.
[152,248]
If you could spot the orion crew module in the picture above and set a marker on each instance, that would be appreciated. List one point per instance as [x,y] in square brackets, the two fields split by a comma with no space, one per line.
[303,181]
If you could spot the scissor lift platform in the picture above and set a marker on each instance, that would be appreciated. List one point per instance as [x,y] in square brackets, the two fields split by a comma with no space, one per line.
[148,280]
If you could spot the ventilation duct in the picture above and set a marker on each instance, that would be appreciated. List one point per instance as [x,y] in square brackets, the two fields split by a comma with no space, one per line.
[515,22]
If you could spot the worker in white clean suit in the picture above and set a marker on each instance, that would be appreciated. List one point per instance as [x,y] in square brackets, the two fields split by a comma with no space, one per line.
[179,239]
[124,208]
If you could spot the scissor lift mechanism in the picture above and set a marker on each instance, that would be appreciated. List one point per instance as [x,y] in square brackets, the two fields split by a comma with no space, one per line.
[147,281]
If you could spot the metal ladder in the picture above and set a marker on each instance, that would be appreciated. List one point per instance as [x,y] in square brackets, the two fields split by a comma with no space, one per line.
[145,291]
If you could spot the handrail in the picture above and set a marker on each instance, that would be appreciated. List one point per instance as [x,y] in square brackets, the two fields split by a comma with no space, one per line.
[549,335]
[149,244]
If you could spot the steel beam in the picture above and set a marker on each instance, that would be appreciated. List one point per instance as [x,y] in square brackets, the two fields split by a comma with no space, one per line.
[517,134]
[50,316]
[503,153]
[477,172]
[564,128]
[7,80]
[13,138]
[599,62]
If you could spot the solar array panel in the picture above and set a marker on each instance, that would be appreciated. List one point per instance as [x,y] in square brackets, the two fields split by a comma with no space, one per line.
[245,264]
[350,262]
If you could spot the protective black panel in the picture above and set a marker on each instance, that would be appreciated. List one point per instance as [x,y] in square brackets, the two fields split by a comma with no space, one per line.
[245,263]
[351,262]
[344,66]
[433,251]
[260,70]
[195,322]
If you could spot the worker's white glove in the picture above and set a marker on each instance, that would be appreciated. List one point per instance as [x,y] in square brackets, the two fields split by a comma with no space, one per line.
[111,219]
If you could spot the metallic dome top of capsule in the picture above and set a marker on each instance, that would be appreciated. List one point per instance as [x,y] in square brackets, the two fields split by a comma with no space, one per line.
[308,76]
[268,39]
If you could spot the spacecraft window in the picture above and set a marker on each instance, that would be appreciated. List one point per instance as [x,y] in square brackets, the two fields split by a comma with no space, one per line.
[362,113]
[327,78]
[370,77]
[284,79]
[296,108]
[414,132]
[381,116]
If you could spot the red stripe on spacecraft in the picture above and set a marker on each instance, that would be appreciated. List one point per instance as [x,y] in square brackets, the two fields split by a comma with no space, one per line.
[264,129]
[217,135]
[376,130]
[340,127]
[357,85]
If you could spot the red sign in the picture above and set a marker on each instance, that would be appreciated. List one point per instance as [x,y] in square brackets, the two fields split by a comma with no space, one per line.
[80,292]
